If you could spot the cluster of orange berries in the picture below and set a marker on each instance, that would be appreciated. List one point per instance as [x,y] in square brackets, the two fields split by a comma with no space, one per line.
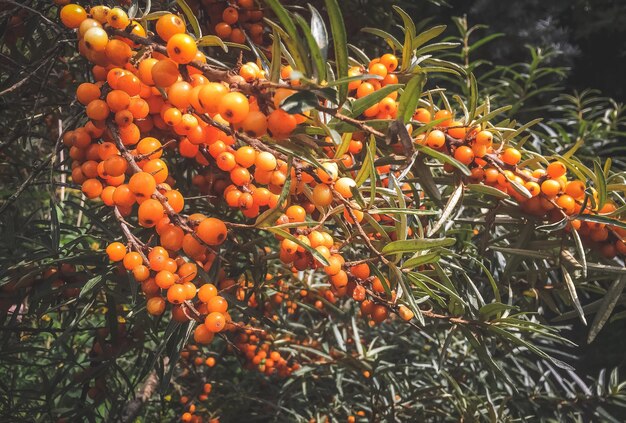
[549,192]
[259,355]
[382,69]
[238,19]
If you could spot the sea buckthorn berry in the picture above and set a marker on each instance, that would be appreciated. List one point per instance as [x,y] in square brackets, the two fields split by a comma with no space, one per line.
[422,115]
[142,184]
[265,161]
[464,154]
[96,39]
[344,187]
[389,61]
[181,48]
[176,294]
[158,169]
[366,88]
[212,231]
[169,25]
[97,110]
[322,195]
[378,69]
[436,139]
[164,73]
[230,15]
[99,13]
[255,124]
[164,279]
[484,138]
[132,260]
[150,212]
[550,188]
[245,156]
[156,306]
[457,130]
[223,30]
[556,170]
[202,335]
[446,115]
[328,173]
[404,313]
[533,188]
[141,273]
[576,189]
[215,322]
[117,18]
[116,251]
[567,203]
[206,292]
[234,107]
[217,304]
[296,214]
[511,156]
[72,15]
[348,213]
[281,123]
[87,92]
[92,188]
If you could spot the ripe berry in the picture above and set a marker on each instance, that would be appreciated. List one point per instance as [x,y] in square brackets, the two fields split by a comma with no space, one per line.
[436,139]
[72,15]
[234,107]
[556,169]
[215,322]
[169,25]
[511,156]
[96,39]
[116,251]
[212,231]
[182,48]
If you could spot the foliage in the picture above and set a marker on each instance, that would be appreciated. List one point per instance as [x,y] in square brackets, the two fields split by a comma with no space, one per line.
[494,290]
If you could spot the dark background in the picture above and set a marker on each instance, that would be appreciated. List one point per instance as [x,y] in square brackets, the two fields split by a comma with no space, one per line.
[589,35]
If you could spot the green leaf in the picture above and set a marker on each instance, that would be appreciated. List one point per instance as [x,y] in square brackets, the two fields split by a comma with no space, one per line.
[412,245]
[191,18]
[420,260]
[457,194]
[318,29]
[569,283]
[314,49]
[290,34]
[299,102]
[276,56]
[366,168]
[487,190]
[211,41]
[410,97]
[340,44]
[409,35]
[600,180]
[609,301]
[601,219]
[390,39]
[494,309]
[444,158]
[428,35]
[427,182]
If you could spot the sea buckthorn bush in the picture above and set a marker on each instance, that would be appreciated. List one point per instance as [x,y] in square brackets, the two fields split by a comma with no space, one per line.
[255,220]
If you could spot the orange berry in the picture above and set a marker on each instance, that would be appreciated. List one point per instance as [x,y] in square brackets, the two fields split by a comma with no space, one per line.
[217,304]
[215,322]
[155,306]
[116,251]
[556,170]
[117,18]
[344,187]
[132,260]
[206,292]
[511,156]
[176,294]
[389,61]
[422,115]
[234,107]
[181,48]
[72,15]
[550,188]
[436,139]
[169,25]
[164,73]
[150,212]
[212,231]
[464,154]
[322,195]
[202,335]
[484,138]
